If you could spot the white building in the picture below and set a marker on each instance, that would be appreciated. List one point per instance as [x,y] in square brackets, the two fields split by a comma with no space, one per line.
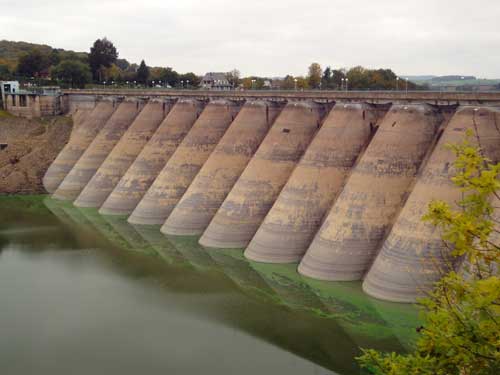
[8,87]
[215,81]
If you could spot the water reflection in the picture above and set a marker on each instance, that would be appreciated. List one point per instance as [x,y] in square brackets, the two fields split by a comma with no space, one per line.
[236,316]
[164,248]
[194,253]
[237,268]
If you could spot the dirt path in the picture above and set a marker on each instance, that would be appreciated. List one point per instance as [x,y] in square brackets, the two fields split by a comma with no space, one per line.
[27,148]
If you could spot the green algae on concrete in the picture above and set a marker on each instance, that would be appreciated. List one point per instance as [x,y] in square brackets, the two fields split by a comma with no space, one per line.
[347,302]
[238,269]
[362,317]
[104,227]
[129,233]
[165,249]
[32,204]
[196,255]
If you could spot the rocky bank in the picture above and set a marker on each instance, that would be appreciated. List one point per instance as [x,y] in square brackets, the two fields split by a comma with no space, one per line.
[27,148]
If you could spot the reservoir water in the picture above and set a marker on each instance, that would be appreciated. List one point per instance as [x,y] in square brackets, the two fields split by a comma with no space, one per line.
[82,293]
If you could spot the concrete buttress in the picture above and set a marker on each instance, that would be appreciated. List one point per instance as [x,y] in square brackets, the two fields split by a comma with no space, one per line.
[252,196]
[295,217]
[98,150]
[79,117]
[413,256]
[216,178]
[85,130]
[123,154]
[183,166]
[351,234]
[136,181]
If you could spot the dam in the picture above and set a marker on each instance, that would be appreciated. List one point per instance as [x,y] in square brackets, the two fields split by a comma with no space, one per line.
[331,183]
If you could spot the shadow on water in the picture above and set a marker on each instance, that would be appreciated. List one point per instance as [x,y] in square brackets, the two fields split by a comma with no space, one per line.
[323,322]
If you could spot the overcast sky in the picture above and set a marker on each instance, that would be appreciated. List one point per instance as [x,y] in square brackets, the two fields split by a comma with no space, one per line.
[272,37]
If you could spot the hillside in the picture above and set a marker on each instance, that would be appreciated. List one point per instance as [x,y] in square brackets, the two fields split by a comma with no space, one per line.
[11,51]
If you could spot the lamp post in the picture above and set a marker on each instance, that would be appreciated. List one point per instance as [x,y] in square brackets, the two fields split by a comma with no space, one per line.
[295,83]
[253,84]
[406,79]
[153,84]
[182,83]
[347,84]
[187,83]
[397,83]
[342,84]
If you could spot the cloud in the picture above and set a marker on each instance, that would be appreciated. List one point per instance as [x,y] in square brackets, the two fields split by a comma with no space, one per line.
[272,37]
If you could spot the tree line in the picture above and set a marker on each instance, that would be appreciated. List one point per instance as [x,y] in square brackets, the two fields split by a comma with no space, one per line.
[100,65]
[356,78]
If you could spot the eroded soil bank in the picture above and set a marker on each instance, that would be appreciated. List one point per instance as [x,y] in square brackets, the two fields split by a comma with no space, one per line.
[27,148]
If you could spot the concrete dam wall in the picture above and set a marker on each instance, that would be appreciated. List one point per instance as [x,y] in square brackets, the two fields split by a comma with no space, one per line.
[218,175]
[124,153]
[86,166]
[245,207]
[85,130]
[348,240]
[138,178]
[184,164]
[294,219]
[412,258]
[337,187]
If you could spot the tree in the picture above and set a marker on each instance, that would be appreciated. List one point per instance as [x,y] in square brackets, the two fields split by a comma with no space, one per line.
[113,73]
[71,55]
[253,83]
[234,77]
[102,54]
[358,78]
[337,75]
[143,73]
[461,331]
[193,79]
[5,73]
[302,83]
[54,57]
[32,63]
[326,80]
[73,73]
[170,76]
[123,64]
[288,83]
[314,75]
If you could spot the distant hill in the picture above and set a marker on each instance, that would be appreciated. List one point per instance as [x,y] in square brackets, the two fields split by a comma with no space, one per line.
[455,82]
[418,79]
[11,51]
[453,78]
